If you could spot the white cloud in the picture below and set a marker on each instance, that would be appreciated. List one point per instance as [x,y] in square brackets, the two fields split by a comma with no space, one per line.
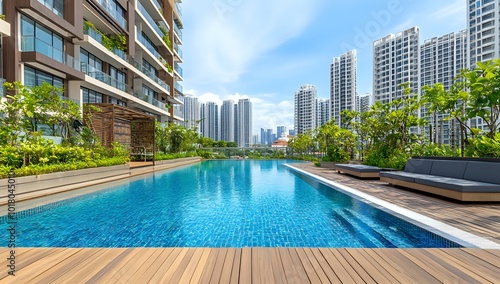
[233,34]
[455,9]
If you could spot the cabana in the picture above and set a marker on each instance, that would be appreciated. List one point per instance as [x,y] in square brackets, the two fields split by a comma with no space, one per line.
[114,123]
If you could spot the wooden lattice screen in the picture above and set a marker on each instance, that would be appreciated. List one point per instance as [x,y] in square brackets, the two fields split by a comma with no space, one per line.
[126,126]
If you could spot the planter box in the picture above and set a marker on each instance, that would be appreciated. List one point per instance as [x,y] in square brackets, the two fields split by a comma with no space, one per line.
[329,165]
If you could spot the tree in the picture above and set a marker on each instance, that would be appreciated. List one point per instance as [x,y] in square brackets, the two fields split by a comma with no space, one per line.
[302,144]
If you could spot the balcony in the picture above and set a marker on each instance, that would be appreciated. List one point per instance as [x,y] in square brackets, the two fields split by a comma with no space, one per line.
[157,4]
[152,101]
[103,77]
[30,43]
[98,37]
[178,50]
[58,10]
[178,9]
[108,5]
[178,31]
[150,48]
[152,76]
[179,111]
[149,19]
[178,69]
[178,87]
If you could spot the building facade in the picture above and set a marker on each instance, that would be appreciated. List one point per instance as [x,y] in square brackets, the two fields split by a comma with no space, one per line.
[191,113]
[396,61]
[343,84]
[227,121]
[243,129]
[209,114]
[280,130]
[442,59]
[322,112]
[305,109]
[483,21]
[363,102]
[105,51]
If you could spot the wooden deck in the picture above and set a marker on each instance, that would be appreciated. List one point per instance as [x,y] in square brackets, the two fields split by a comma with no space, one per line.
[254,265]
[283,265]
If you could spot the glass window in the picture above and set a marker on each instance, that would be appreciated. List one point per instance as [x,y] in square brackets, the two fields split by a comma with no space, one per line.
[56,6]
[35,77]
[92,97]
[35,37]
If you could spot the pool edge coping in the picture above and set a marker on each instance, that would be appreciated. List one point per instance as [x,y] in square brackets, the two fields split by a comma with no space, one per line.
[439,228]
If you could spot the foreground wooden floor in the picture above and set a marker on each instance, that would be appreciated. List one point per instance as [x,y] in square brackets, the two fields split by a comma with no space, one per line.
[253,265]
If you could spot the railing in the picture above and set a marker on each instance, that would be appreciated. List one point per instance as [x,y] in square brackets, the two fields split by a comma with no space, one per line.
[178,8]
[103,77]
[178,50]
[109,7]
[178,87]
[30,43]
[151,49]
[178,110]
[152,76]
[98,37]
[157,4]
[69,99]
[178,69]
[178,31]
[149,19]
[158,104]
[151,101]
[179,97]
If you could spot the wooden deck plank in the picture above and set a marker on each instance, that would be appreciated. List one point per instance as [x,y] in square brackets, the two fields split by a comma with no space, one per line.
[140,273]
[26,257]
[200,266]
[265,265]
[178,261]
[404,265]
[340,271]
[393,274]
[227,267]
[245,276]
[165,266]
[235,273]
[325,266]
[255,266]
[308,267]
[150,271]
[40,266]
[358,269]
[82,273]
[485,255]
[294,273]
[191,266]
[209,266]
[116,272]
[315,264]
[378,273]
[470,265]
[219,264]
[277,266]
[132,267]
[423,261]
[181,268]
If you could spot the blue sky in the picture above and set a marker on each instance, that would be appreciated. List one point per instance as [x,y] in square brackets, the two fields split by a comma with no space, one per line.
[265,50]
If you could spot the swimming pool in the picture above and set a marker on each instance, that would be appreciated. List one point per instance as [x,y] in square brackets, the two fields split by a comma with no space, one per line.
[241,203]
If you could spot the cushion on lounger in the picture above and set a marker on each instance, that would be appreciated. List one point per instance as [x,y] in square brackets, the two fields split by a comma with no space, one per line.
[418,166]
[458,184]
[358,168]
[447,168]
[483,171]
[404,176]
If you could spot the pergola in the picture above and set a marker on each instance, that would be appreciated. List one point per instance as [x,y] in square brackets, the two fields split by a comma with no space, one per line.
[114,123]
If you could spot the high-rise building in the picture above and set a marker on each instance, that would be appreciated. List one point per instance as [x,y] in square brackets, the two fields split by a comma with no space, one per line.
[67,43]
[227,121]
[483,21]
[343,84]
[363,102]
[305,109]
[243,127]
[269,137]
[442,59]
[209,113]
[280,130]
[263,136]
[191,113]
[396,61]
[322,112]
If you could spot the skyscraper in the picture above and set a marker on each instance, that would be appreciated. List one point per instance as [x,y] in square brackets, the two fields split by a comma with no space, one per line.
[305,109]
[209,113]
[280,130]
[322,112]
[396,61]
[244,123]
[227,121]
[343,84]
[483,21]
[442,59]
[191,113]
[363,102]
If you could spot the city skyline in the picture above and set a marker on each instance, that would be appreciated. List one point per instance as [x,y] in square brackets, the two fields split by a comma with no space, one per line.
[236,59]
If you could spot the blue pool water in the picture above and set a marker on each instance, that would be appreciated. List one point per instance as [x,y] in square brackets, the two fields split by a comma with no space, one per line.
[219,204]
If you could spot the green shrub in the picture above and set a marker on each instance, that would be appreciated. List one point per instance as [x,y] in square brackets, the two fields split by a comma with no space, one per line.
[335,154]
[482,146]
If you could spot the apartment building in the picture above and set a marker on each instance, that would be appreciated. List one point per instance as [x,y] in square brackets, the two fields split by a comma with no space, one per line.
[243,123]
[227,121]
[209,114]
[396,61]
[363,102]
[322,112]
[191,113]
[483,23]
[101,51]
[442,59]
[343,84]
[305,109]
